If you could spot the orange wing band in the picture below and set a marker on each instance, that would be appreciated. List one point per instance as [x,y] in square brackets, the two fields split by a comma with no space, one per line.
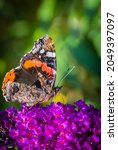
[36,63]
[10,76]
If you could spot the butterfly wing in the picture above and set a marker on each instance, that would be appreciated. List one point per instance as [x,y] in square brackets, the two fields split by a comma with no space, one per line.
[40,62]
[17,85]
[33,81]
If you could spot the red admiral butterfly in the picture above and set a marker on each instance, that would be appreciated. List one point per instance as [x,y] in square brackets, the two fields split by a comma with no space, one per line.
[33,80]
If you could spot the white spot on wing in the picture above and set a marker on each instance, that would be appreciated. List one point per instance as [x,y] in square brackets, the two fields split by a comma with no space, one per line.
[50,54]
[42,51]
[17,67]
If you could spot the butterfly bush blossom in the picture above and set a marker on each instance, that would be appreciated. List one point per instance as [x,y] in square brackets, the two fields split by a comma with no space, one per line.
[54,127]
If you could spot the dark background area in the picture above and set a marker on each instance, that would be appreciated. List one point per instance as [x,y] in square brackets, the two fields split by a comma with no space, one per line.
[74,27]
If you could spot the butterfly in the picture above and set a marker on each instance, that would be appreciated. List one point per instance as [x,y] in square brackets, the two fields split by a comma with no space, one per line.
[33,81]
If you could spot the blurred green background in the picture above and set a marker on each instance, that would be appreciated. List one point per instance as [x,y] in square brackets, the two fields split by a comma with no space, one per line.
[74,26]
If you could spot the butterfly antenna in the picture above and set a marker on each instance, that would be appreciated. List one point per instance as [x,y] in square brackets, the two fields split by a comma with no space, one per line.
[66,74]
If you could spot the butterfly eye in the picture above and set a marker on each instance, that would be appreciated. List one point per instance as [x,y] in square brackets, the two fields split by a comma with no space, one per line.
[15,89]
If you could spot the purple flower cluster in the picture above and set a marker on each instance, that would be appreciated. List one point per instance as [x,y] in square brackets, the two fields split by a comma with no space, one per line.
[54,127]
